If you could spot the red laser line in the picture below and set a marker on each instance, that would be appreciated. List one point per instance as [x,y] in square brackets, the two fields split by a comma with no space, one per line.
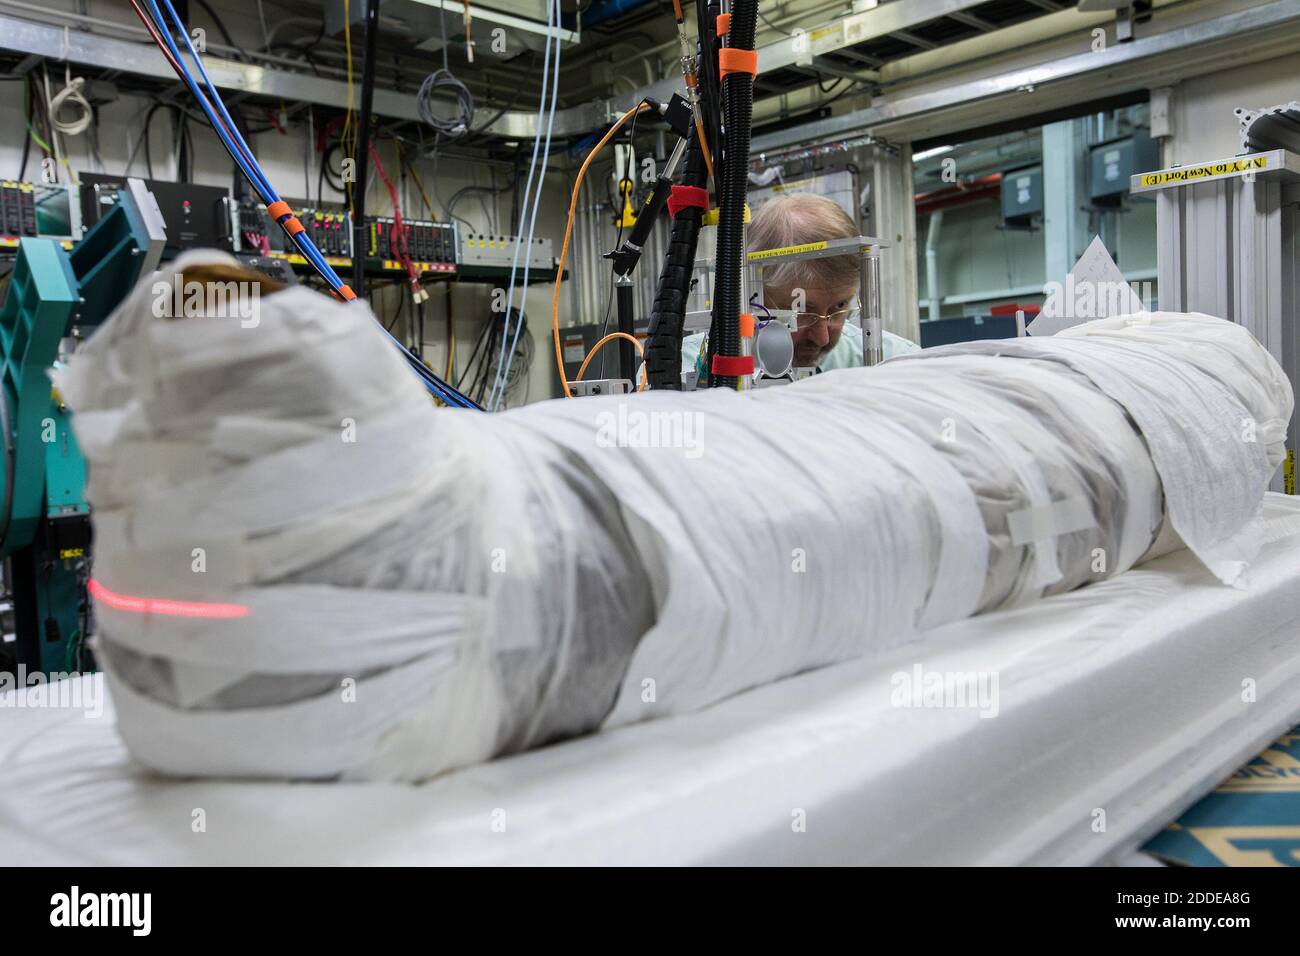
[165,606]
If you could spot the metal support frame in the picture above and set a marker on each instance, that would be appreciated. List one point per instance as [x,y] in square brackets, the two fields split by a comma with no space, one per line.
[869,311]
[890,211]
[805,48]
[1228,238]
[1065,229]
[873,340]
[623,287]
[1265,24]
[90,49]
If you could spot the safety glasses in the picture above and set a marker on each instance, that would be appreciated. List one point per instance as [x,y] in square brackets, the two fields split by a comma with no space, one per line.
[834,320]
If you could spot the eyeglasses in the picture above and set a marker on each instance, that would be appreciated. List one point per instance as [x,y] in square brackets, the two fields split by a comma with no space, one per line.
[834,320]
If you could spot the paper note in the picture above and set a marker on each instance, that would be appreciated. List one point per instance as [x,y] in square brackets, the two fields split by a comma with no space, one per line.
[1094,289]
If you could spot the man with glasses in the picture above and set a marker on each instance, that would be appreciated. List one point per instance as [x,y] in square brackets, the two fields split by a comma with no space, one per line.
[826,338]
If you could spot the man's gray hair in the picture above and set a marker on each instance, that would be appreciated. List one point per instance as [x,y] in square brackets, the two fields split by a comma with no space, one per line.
[794,220]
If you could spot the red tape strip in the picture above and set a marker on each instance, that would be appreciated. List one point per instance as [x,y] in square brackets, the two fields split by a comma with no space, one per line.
[687,197]
[733,365]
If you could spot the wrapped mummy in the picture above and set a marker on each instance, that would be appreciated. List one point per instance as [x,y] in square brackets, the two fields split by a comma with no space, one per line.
[304,569]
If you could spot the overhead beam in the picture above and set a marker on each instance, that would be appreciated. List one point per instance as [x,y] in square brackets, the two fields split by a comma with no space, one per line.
[972,21]
[915,40]
[838,36]
[89,49]
[823,66]
[867,61]
[1114,63]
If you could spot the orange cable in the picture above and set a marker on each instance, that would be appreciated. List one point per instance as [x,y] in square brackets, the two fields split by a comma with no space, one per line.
[568,234]
[609,338]
[704,147]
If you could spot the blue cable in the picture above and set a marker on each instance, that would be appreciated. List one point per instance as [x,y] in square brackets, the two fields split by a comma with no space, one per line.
[532,224]
[445,392]
[528,190]
[241,157]
[248,165]
[231,126]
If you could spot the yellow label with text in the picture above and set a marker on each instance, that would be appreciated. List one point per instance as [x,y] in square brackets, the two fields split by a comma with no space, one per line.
[786,251]
[1209,170]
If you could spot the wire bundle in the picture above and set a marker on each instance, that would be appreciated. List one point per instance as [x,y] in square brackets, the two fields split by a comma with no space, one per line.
[260,241]
[37,124]
[524,242]
[487,349]
[71,94]
[564,247]
[58,128]
[418,295]
[441,81]
[161,29]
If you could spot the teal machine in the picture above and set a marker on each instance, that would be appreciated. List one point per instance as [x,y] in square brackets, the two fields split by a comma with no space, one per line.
[55,297]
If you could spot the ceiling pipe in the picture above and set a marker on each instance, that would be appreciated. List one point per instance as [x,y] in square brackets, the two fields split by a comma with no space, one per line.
[932,263]
[986,187]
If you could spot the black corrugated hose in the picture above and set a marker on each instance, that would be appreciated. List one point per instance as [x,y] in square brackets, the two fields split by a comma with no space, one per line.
[663,355]
[737,113]
[707,72]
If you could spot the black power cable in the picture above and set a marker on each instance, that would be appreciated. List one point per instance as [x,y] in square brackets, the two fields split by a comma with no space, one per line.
[359,230]
[707,74]
[326,174]
[401,304]
[148,152]
[738,109]
[478,344]
[225,34]
[27,134]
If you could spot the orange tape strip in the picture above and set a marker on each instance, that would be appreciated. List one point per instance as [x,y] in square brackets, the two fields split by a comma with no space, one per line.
[731,60]
[747,324]
[279,210]
[347,293]
[292,226]
[724,24]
